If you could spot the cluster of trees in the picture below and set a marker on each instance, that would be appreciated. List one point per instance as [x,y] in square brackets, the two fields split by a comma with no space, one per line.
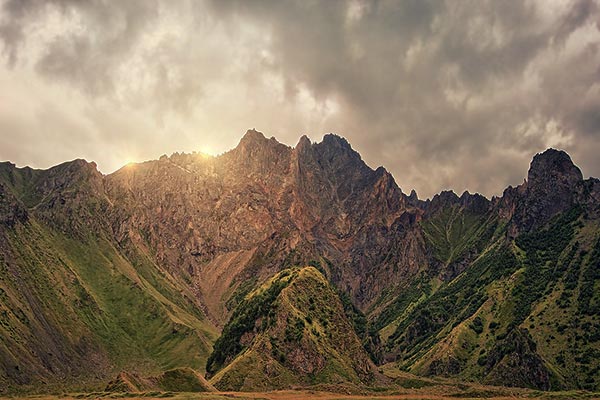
[466,293]
[542,251]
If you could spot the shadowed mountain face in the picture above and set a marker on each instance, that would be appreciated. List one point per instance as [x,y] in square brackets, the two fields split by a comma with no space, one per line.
[554,185]
[158,256]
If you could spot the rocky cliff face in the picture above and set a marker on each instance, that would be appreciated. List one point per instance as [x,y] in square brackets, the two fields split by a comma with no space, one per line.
[551,185]
[554,185]
[309,202]
[11,211]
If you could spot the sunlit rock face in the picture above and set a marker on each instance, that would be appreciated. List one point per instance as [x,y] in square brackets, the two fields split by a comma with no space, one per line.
[263,204]
[314,200]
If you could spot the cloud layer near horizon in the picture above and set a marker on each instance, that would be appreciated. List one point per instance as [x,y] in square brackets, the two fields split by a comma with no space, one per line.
[444,94]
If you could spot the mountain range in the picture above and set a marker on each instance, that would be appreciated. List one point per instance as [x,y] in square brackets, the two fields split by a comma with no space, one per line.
[270,267]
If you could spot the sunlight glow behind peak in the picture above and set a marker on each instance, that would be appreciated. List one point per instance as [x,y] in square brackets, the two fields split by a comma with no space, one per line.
[129,162]
[206,152]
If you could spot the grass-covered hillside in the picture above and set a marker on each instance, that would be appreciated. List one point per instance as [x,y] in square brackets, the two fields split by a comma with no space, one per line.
[74,309]
[290,331]
[523,312]
[74,312]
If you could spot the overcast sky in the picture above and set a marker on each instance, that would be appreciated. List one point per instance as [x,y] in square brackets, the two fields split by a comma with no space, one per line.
[444,94]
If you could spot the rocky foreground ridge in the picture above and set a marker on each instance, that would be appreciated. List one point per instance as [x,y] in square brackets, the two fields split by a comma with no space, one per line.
[142,270]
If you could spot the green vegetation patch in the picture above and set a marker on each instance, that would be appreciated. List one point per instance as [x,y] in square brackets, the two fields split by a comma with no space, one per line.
[452,303]
[259,306]
[452,232]
[542,250]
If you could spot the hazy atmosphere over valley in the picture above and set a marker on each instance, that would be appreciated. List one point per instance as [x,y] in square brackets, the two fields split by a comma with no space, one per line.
[444,94]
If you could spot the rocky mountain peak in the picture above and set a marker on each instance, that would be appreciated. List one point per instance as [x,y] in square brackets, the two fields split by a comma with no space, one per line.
[337,152]
[334,145]
[253,139]
[303,143]
[331,139]
[413,195]
[413,199]
[253,136]
[445,198]
[474,202]
[552,187]
[71,174]
[553,167]
[257,154]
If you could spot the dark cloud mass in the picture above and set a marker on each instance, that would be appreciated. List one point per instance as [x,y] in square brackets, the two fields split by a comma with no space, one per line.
[444,94]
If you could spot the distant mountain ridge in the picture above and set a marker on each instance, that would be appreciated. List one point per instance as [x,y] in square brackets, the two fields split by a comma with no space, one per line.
[157,256]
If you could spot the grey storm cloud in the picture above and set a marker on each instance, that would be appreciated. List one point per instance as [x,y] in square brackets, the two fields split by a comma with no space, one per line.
[444,94]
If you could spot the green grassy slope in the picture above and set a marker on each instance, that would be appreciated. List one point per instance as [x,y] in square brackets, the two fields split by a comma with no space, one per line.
[453,233]
[74,307]
[455,238]
[290,331]
[76,312]
[524,312]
